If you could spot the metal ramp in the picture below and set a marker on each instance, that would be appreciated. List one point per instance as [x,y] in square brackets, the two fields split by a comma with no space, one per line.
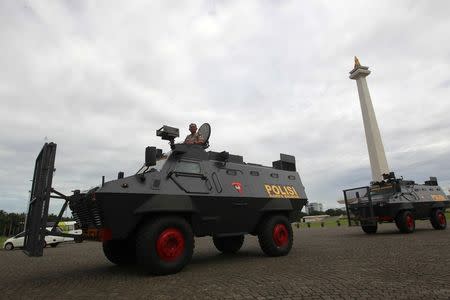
[361,198]
[41,192]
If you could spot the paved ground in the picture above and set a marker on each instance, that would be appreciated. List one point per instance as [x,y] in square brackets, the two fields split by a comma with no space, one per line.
[331,263]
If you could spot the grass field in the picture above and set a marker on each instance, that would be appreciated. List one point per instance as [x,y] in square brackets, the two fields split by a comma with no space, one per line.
[332,222]
[2,240]
[329,222]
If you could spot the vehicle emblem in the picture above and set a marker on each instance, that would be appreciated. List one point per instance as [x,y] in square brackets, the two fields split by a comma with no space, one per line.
[237,186]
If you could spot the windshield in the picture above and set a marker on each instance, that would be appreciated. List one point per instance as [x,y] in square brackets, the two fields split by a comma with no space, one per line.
[20,234]
[159,164]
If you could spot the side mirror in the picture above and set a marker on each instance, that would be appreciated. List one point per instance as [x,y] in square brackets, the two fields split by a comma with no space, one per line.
[159,153]
[150,156]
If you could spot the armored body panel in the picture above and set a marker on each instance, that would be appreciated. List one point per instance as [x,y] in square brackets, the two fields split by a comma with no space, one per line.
[220,196]
[397,200]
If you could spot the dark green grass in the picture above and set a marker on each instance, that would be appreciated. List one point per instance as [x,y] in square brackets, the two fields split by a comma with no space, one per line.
[332,222]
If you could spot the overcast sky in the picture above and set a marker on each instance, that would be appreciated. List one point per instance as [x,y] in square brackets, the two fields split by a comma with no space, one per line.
[99,77]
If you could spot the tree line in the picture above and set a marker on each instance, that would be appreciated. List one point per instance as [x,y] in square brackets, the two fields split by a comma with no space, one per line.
[14,223]
[331,212]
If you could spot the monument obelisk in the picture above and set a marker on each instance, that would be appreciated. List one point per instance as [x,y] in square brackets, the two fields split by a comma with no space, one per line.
[377,155]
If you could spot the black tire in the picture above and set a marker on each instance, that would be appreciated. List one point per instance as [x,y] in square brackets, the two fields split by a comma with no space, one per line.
[405,222]
[229,244]
[9,246]
[438,220]
[54,245]
[369,229]
[164,245]
[78,239]
[120,252]
[275,236]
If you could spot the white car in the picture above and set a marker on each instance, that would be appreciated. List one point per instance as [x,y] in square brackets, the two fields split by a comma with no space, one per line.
[17,241]
[59,230]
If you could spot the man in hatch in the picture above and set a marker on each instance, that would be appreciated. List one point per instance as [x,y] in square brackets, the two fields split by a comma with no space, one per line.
[194,137]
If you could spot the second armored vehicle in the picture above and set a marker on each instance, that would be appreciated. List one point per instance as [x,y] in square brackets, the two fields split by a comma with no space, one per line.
[151,217]
[397,200]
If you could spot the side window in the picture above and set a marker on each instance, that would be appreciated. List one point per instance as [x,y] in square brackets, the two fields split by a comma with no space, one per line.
[188,167]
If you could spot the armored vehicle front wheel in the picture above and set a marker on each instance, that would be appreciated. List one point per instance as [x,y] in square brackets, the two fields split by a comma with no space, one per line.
[165,245]
[229,244]
[120,252]
[275,236]
[405,222]
[369,229]
[438,220]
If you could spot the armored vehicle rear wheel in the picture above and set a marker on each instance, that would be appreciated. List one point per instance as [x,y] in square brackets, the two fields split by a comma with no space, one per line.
[405,222]
[120,252]
[275,236]
[165,245]
[438,220]
[229,244]
[369,229]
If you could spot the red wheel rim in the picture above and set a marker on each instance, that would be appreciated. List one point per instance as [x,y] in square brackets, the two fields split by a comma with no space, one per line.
[409,221]
[441,218]
[170,244]
[280,235]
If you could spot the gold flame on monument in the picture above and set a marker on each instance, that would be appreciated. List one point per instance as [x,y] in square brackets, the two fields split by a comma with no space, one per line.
[357,64]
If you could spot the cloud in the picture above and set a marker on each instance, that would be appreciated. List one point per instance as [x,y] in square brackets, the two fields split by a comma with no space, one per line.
[444,84]
[270,77]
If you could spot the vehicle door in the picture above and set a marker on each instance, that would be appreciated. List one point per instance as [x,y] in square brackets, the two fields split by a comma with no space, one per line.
[234,198]
[19,240]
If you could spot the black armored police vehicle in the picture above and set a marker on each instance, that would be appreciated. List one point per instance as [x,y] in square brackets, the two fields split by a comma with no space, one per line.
[397,200]
[151,217]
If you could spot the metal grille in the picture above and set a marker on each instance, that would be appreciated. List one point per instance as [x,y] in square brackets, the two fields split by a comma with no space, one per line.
[358,204]
[41,189]
[86,211]
[357,195]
